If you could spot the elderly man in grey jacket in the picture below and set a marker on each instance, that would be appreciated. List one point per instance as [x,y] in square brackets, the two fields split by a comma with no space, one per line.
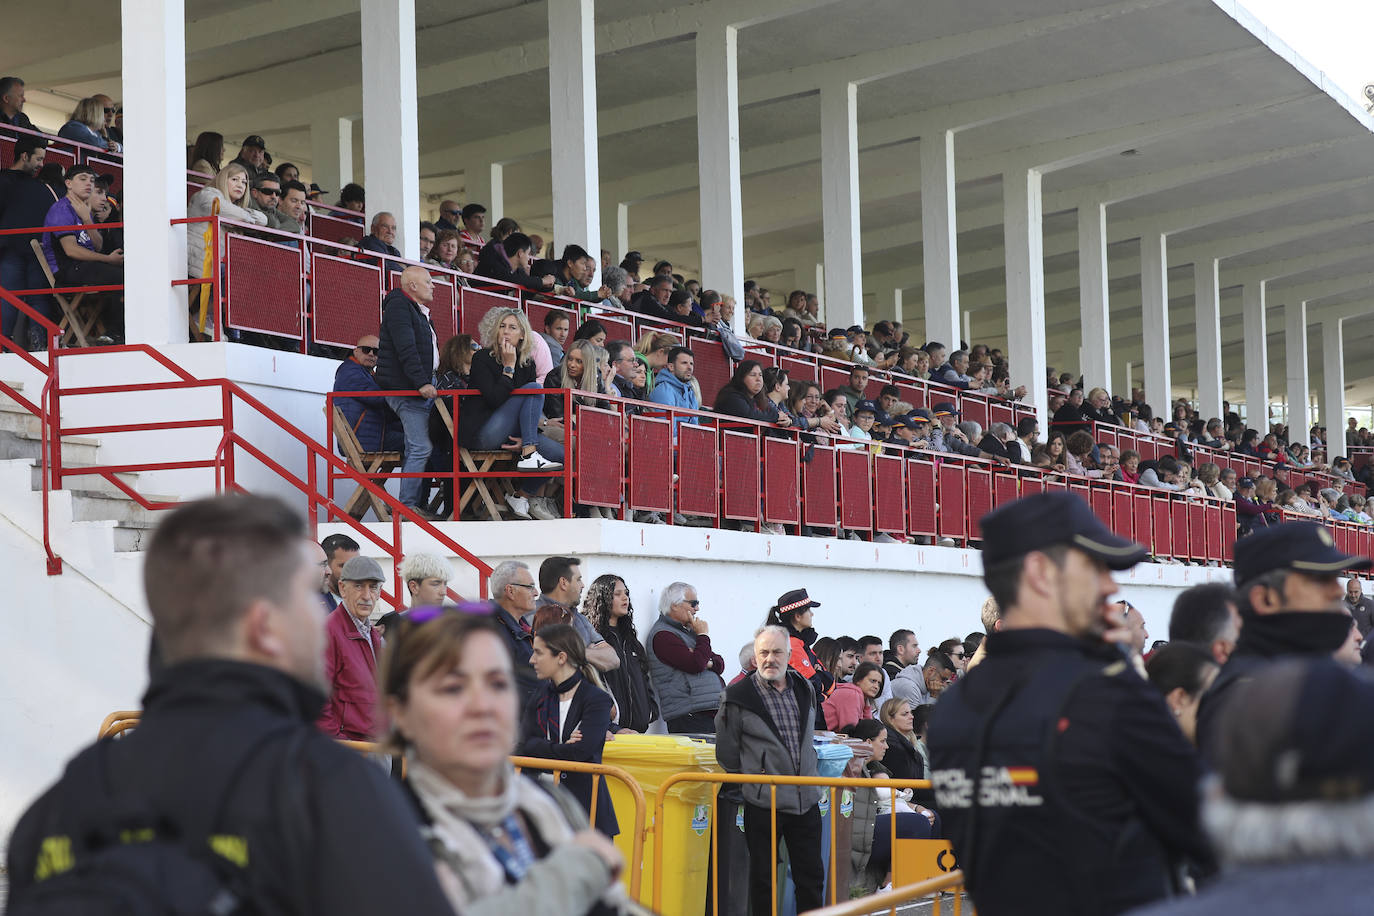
[764,726]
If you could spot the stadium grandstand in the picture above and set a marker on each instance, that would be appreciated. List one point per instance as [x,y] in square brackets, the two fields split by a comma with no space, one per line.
[755,295]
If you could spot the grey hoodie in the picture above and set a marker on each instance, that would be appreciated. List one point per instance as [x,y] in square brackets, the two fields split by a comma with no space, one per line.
[910,685]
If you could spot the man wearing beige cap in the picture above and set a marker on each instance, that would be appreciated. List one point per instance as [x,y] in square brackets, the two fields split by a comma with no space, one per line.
[351,652]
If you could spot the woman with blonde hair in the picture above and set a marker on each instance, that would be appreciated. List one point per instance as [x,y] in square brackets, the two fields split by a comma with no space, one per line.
[581,371]
[652,351]
[86,124]
[227,195]
[498,418]
[450,696]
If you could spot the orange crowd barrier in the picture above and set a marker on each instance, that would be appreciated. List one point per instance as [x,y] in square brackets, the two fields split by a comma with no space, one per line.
[890,900]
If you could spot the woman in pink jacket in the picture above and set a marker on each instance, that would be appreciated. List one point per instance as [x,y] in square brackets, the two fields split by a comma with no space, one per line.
[850,702]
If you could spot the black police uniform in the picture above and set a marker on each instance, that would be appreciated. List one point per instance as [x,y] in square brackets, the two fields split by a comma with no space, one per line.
[1064,784]
[1302,547]
[320,831]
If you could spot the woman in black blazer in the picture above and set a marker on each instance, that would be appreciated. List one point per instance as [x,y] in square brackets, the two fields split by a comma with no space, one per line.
[567,719]
[902,758]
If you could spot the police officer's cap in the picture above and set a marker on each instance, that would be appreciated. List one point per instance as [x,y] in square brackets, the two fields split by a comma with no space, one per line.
[1050,519]
[1304,547]
[1304,731]
[919,414]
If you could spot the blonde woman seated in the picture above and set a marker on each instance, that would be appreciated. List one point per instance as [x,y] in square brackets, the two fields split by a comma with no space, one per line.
[581,370]
[503,843]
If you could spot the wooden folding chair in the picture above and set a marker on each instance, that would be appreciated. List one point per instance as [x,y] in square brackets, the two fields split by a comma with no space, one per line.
[77,320]
[370,463]
[480,462]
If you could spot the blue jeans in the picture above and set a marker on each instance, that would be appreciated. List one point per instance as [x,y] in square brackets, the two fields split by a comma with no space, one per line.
[414,414]
[19,269]
[519,416]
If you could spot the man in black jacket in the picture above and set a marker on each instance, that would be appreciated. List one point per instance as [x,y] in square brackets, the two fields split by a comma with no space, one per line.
[1064,783]
[24,201]
[226,762]
[509,261]
[408,355]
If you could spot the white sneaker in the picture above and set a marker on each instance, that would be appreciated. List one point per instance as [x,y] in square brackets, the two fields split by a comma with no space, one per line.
[649,518]
[537,462]
[541,509]
[519,505]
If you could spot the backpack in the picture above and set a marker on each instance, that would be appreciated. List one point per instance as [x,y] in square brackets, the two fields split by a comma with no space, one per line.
[124,858]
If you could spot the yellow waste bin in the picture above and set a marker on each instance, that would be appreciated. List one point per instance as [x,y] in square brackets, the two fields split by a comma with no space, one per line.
[686,833]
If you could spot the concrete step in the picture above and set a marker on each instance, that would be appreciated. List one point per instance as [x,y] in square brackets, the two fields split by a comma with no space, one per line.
[89,505]
[89,483]
[22,444]
[132,537]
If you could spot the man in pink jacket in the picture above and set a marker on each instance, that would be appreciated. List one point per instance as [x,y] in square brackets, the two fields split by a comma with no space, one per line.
[351,653]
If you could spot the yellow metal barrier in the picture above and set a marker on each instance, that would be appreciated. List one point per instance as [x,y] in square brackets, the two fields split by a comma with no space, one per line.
[954,881]
[117,722]
[832,783]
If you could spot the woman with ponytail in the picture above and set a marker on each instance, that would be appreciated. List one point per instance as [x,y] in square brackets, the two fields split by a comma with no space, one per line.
[793,612]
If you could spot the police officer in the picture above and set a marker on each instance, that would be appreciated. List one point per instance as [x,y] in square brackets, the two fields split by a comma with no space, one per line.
[1290,603]
[1064,783]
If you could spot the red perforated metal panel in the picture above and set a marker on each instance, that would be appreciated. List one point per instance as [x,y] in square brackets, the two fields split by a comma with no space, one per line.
[856,490]
[1106,434]
[1142,515]
[1178,526]
[1000,412]
[114,169]
[818,488]
[764,356]
[712,368]
[63,157]
[799,370]
[920,476]
[741,475]
[263,287]
[1213,527]
[346,300]
[1056,486]
[1031,485]
[915,395]
[874,387]
[6,151]
[335,228]
[953,513]
[781,481]
[651,464]
[443,312]
[1123,519]
[1198,534]
[979,491]
[1162,526]
[1101,499]
[645,325]
[617,328]
[698,490]
[597,457]
[538,313]
[1005,488]
[833,378]
[473,305]
[1079,488]
[889,494]
[974,407]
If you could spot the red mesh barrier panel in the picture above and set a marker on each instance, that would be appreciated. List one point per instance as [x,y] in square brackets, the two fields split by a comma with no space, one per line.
[741,474]
[874,388]
[1056,486]
[833,378]
[63,157]
[6,151]
[651,464]
[920,477]
[818,488]
[597,457]
[781,481]
[764,356]
[617,328]
[1178,525]
[698,481]
[1123,518]
[1030,485]
[889,494]
[953,514]
[1143,519]
[1005,489]
[114,169]
[538,313]
[346,298]
[473,305]
[974,407]
[915,395]
[856,490]
[334,228]
[1000,412]
[979,500]
[1022,412]
[1212,525]
[1106,434]
[1228,532]
[712,368]
[645,325]
[263,287]
[799,370]
[443,311]
[1080,489]
[1162,526]
[1198,535]
[1101,500]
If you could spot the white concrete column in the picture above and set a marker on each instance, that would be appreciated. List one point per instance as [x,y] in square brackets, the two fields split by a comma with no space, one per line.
[1093,301]
[722,225]
[840,202]
[485,184]
[331,150]
[1154,305]
[1332,406]
[1207,305]
[572,124]
[1023,226]
[940,238]
[154,57]
[1295,363]
[622,231]
[897,305]
[1256,331]
[391,142]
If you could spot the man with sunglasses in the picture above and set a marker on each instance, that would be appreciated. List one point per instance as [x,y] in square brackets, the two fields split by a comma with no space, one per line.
[378,429]
[686,673]
[449,212]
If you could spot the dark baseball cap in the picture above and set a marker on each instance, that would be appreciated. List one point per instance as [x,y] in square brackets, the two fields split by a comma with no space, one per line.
[866,406]
[855,329]
[1304,547]
[254,140]
[1048,520]
[881,418]
[1302,732]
